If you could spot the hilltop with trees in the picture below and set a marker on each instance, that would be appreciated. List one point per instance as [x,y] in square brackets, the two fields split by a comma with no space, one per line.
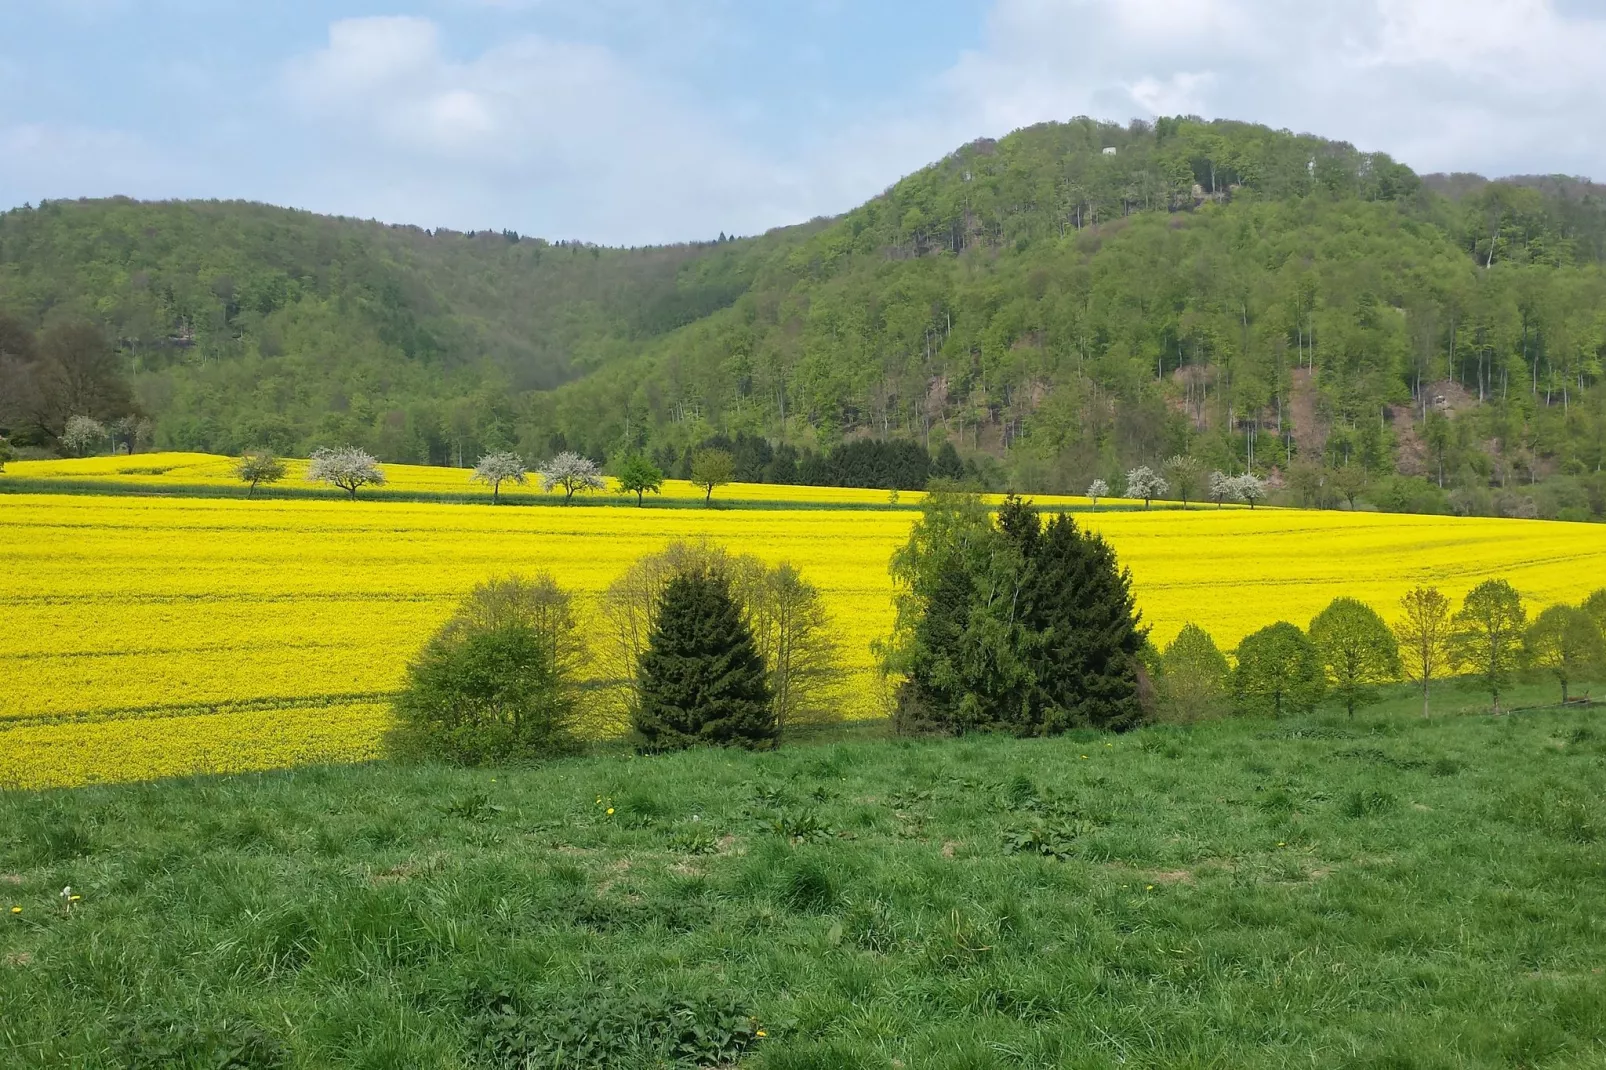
[1068,303]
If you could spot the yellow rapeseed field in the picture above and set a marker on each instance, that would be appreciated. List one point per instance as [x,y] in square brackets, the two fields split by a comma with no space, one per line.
[151,636]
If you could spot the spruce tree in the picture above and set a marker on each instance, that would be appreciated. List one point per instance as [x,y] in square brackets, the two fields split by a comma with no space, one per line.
[1083,631]
[703,680]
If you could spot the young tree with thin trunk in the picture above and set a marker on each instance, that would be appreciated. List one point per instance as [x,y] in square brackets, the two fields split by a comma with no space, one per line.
[1357,649]
[1487,635]
[574,473]
[1350,482]
[712,468]
[639,476]
[1565,642]
[1223,488]
[1186,475]
[1096,490]
[793,630]
[494,469]
[346,467]
[258,467]
[1424,637]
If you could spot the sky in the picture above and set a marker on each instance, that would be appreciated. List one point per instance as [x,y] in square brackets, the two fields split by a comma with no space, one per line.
[649,121]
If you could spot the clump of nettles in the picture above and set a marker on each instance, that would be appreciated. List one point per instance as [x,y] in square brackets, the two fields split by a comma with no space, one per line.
[498,683]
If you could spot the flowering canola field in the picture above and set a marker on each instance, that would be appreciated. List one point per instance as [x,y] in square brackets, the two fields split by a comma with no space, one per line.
[153,636]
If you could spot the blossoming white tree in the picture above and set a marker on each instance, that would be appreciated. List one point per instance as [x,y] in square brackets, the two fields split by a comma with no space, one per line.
[573,473]
[495,469]
[347,467]
[1223,488]
[1144,482]
[1096,490]
[1250,487]
[82,433]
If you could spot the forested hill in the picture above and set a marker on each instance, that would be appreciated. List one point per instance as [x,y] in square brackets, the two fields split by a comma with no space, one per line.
[1060,304]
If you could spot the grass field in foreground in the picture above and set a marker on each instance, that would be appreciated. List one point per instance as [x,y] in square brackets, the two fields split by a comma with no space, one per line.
[157,636]
[1326,893]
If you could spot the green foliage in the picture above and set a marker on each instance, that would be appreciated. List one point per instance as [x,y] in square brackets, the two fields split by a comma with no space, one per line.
[1595,606]
[608,1032]
[1279,669]
[343,917]
[1016,627]
[6,454]
[1487,635]
[637,475]
[1357,649]
[1194,673]
[259,467]
[712,468]
[1205,291]
[1565,642]
[1424,635]
[498,682]
[703,679]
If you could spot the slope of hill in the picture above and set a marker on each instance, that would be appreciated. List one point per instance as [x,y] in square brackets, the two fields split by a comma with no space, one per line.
[1070,300]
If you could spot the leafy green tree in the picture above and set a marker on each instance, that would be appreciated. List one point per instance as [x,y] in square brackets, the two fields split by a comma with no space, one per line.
[1350,482]
[1194,674]
[639,476]
[1565,642]
[258,467]
[498,682]
[710,469]
[494,469]
[1279,667]
[703,679]
[1186,476]
[1424,636]
[795,638]
[1595,606]
[1487,635]
[1358,651]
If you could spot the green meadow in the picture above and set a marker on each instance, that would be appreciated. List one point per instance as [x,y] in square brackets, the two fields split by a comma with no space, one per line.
[1320,892]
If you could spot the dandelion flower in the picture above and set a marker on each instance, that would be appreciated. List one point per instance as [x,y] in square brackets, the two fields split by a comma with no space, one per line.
[762,1033]
[16,910]
[610,811]
[1148,887]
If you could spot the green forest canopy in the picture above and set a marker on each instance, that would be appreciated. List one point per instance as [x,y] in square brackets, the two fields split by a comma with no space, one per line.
[1069,300]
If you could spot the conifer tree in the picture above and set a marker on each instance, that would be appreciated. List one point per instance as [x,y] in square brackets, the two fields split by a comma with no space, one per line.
[1084,632]
[703,680]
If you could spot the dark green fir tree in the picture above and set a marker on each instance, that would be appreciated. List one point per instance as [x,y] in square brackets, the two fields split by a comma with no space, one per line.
[703,679]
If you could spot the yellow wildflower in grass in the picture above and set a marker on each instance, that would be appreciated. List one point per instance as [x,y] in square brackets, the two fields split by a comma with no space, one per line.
[158,636]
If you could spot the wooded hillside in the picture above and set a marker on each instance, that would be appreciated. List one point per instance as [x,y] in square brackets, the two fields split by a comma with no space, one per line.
[1060,304]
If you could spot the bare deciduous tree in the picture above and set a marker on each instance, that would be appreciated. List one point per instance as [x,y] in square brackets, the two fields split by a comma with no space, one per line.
[1186,474]
[346,467]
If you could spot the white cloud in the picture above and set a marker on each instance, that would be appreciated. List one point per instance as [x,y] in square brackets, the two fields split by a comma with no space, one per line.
[474,141]
[1493,85]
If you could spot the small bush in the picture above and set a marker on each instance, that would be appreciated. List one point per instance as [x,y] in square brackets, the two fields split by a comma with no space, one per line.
[497,683]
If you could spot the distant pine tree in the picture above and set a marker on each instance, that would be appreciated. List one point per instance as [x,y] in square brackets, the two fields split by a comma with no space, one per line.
[703,680]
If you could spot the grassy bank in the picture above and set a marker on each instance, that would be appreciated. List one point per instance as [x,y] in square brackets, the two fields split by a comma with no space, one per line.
[1318,892]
